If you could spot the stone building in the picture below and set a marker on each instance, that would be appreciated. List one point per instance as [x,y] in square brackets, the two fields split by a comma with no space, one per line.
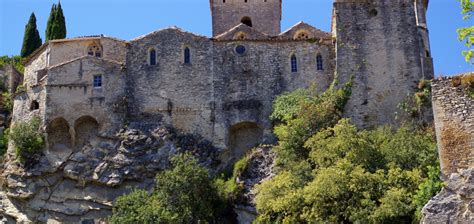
[223,87]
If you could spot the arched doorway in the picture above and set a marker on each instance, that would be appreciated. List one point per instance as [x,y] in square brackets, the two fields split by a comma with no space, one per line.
[243,137]
[58,134]
[86,129]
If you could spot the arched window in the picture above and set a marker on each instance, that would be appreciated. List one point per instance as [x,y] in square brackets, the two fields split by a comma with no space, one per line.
[187,56]
[302,35]
[247,21]
[294,63]
[94,50]
[34,105]
[152,57]
[319,62]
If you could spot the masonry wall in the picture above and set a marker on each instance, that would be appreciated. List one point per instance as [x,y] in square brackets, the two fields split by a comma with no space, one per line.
[265,15]
[379,43]
[454,121]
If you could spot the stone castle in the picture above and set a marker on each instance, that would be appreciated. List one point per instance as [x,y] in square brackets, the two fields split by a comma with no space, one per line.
[223,87]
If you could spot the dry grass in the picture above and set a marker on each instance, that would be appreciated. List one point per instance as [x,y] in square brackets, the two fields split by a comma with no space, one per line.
[455,148]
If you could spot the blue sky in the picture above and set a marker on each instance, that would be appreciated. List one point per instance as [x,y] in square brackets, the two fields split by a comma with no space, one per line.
[126,19]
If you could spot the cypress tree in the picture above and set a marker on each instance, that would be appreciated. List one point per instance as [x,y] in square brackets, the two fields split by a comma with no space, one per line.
[32,39]
[56,26]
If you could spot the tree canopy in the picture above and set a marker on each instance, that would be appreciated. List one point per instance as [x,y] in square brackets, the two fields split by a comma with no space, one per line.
[56,26]
[467,33]
[31,39]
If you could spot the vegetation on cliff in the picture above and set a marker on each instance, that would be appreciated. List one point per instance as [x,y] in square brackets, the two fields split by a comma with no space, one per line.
[329,171]
[183,194]
[28,140]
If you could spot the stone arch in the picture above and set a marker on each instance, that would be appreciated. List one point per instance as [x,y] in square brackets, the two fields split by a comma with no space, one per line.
[302,35]
[34,105]
[246,20]
[86,129]
[243,137]
[240,36]
[58,134]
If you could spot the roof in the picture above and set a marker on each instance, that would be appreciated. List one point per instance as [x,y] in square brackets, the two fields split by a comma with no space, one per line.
[86,57]
[171,28]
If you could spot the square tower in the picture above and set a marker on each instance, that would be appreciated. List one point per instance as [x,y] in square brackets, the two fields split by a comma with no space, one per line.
[263,15]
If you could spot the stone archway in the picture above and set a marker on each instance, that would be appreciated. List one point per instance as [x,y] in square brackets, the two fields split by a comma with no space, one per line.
[59,136]
[86,130]
[243,137]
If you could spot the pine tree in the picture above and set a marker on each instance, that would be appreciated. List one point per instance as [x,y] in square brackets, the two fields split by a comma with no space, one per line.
[56,27]
[32,39]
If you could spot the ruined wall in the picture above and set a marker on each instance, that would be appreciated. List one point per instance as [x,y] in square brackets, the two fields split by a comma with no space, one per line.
[35,69]
[265,15]
[379,43]
[454,121]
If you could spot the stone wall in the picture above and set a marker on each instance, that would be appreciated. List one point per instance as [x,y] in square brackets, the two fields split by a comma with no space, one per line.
[379,43]
[265,15]
[454,121]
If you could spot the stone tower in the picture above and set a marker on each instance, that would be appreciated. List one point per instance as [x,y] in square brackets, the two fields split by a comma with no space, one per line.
[263,15]
[385,46]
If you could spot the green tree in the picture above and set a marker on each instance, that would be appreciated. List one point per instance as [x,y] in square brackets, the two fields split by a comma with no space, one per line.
[56,26]
[28,140]
[183,194]
[467,33]
[31,39]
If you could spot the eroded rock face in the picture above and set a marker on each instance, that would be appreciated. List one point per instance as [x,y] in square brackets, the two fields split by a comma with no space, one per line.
[82,184]
[455,203]
[260,169]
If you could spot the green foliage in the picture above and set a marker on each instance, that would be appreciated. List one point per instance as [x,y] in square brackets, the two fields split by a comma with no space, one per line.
[7,101]
[416,105]
[303,113]
[183,194]
[56,26]
[332,172]
[431,186]
[229,189]
[4,141]
[17,62]
[467,33]
[32,39]
[28,140]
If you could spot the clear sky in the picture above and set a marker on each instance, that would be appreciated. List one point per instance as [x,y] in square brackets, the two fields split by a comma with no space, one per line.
[126,19]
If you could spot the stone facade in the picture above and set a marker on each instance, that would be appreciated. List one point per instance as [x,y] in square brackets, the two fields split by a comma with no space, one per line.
[454,121]
[384,45]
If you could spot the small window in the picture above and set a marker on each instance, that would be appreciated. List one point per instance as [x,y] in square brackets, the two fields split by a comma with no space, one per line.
[240,36]
[303,35]
[34,105]
[152,57]
[187,56]
[97,81]
[94,50]
[240,49]
[247,21]
[319,62]
[294,64]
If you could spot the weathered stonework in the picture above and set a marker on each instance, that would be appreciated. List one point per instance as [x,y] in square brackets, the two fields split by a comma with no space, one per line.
[86,89]
[454,121]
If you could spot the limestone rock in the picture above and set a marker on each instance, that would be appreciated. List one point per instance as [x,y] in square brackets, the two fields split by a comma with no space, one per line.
[455,203]
[83,182]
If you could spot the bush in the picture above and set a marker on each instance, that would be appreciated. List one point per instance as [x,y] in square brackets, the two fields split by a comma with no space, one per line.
[183,194]
[4,142]
[28,140]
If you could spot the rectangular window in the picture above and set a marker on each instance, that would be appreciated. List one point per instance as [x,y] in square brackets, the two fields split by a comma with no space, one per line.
[97,81]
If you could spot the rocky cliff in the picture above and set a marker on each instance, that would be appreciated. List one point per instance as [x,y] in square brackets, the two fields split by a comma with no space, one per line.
[81,184]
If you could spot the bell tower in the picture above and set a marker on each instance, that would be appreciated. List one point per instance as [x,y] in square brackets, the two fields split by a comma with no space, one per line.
[263,15]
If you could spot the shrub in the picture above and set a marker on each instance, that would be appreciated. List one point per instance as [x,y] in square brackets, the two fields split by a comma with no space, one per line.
[4,142]
[28,140]
[183,194]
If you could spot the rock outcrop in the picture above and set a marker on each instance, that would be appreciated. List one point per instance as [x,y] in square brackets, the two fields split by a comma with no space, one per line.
[259,169]
[455,203]
[81,186]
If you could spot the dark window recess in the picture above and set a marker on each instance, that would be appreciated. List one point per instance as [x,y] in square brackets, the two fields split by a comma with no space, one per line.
[247,21]
[97,81]
[373,12]
[428,55]
[34,105]
[240,49]
[294,64]
[319,63]
[187,56]
[152,57]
